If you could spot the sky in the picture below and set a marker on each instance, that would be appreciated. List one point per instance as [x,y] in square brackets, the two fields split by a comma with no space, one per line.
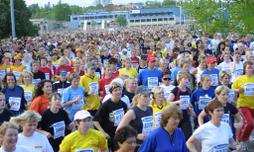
[80,2]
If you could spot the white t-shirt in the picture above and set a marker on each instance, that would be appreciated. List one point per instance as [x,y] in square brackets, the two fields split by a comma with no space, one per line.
[214,138]
[18,149]
[35,143]
[236,70]
[224,66]
[167,90]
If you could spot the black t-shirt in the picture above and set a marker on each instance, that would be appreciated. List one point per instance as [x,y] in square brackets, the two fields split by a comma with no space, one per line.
[128,94]
[39,75]
[109,115]
[56,124]
[5,116]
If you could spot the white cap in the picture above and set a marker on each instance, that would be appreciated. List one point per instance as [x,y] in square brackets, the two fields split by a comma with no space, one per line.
[82,114]
[117,80]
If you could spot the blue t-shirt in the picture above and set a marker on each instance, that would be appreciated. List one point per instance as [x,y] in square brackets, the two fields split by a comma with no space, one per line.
[150,77]
[71,93]
[200,98]
[160,140]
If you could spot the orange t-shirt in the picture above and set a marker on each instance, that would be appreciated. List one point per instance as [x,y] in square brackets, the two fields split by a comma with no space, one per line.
[39,104]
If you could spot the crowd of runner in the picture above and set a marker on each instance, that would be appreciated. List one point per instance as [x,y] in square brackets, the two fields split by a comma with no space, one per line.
[150,88]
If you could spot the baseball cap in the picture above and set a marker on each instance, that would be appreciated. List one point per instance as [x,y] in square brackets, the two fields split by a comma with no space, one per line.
[82,114]
[211,59]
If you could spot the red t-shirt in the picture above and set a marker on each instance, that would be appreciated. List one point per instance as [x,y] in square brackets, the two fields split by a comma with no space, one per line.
[102,83]
[39,104]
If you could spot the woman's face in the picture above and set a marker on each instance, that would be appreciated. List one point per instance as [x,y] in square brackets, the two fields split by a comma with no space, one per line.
[129,145]
[217,113]
[249,70]
[30,127]
[84,125]
[47,88]
[159,97]
[225,80]
[27,78]
[144,100]
[223,97]
[117,93]
[56,103]
[173,122]
[10,81]
[206,82]
[10,138]
[75,82]
[132,85]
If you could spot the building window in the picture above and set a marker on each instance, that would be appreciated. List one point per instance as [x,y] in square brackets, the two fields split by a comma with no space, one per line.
[131,21]
[165,19]
[137,20]
[75,18]
[171,18]
[160,19]
[148,20]
[154,20]
[143,20]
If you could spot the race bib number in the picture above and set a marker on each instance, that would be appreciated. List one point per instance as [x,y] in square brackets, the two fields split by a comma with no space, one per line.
[184,102]
[249,89]
[219,148]
[225,118]
[59,129]
[214,79]
[157,119]
[28,96]
[152,82]
[36,81]
[118,115]
[203,101]
[47,76]
[94,88]
[231,96]
[85,150]
[107,88]
[14,103]
[147,124]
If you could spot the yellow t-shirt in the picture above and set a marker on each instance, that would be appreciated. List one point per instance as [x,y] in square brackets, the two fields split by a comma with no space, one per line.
[29,91]
[91,85]
[131,72]
[93,140]
[245,99]
[157,110]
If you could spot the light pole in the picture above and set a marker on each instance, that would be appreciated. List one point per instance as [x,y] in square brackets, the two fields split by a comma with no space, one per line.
[13,30]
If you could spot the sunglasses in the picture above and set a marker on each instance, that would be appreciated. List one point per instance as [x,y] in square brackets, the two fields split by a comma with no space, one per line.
[166,79]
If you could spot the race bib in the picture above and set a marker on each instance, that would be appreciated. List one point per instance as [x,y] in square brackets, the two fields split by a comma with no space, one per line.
[107,88]
[249,89]
[231,96]
[203,101]
[85,150]
[28,96]
[152,82]
[147,124]
[36,81]
[184,102]
[59,129]
[15,103]
[47,76]
[214,79]
[118,115]
[94,88]
[157,119]
[225,118]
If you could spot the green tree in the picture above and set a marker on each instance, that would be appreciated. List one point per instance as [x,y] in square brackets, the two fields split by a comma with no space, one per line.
[168,3]
[61,12]
[152,4]
[121,21]
[22,15]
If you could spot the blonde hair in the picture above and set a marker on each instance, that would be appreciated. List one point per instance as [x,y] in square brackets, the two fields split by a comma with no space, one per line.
[27,116]
[141,90]
[220,89]
[181,75]
[4,127]
[23,74]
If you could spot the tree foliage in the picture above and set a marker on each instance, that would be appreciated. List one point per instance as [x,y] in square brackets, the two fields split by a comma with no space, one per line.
[221,16]
[22,15]
[121,21]
[168,3]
